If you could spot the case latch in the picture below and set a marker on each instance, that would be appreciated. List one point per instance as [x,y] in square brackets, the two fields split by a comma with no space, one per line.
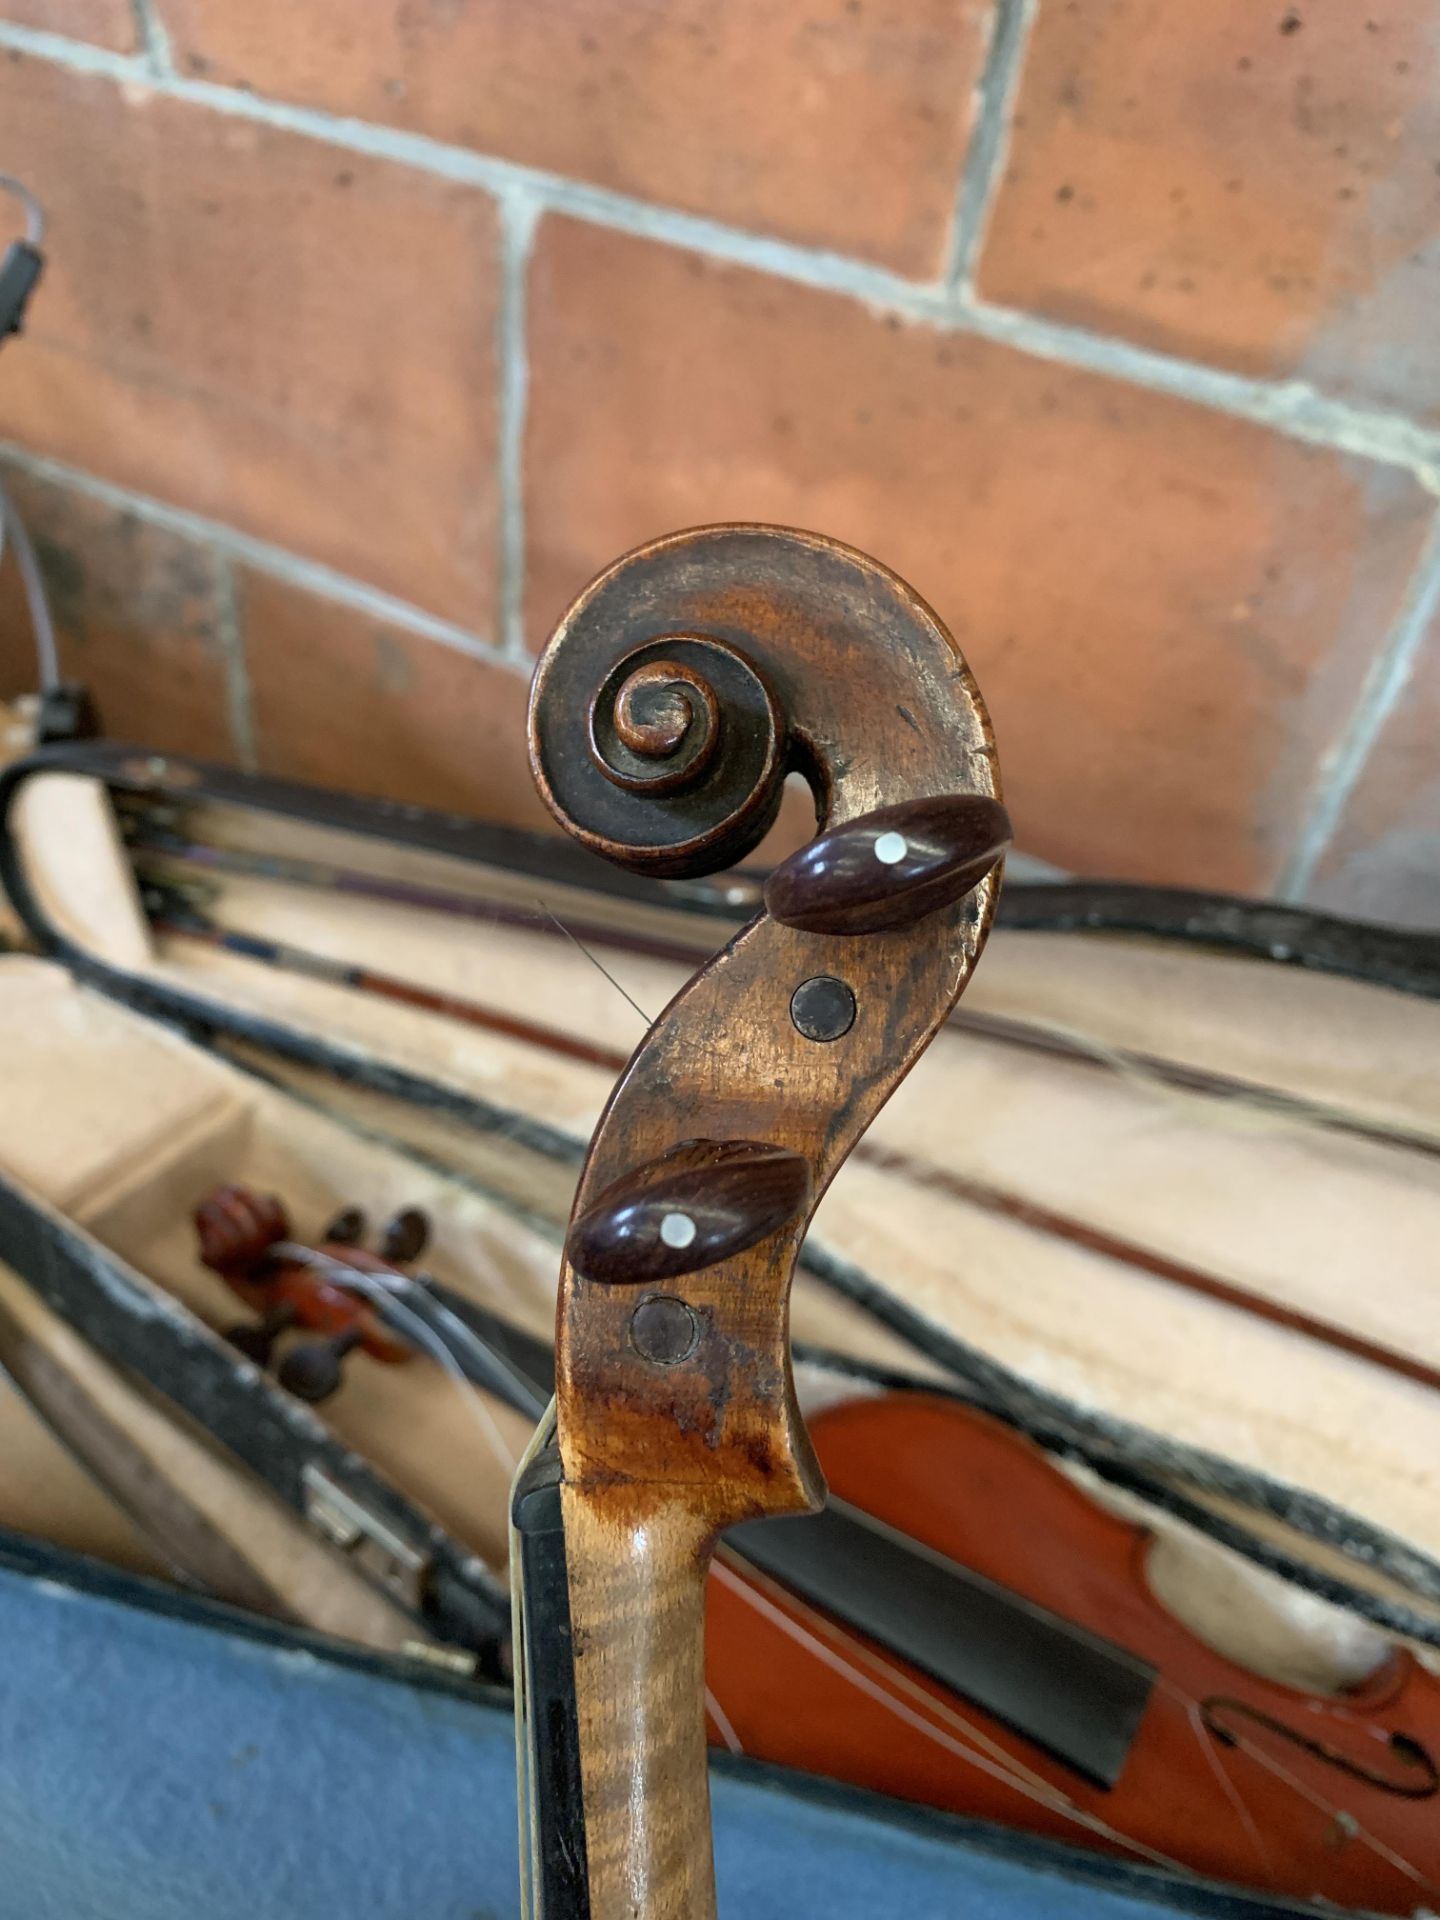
[375,1547]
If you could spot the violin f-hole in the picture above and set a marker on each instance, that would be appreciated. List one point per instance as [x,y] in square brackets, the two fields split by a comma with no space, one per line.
[1416,1775]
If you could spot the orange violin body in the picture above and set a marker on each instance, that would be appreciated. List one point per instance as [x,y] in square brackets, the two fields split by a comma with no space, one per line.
[1228,1774]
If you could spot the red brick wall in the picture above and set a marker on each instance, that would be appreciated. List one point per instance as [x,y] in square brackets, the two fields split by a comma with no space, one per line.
[371,331]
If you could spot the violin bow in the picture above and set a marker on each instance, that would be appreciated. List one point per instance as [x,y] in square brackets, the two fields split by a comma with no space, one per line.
[667,710]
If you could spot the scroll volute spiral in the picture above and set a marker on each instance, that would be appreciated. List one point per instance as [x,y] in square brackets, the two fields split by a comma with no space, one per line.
[667,709]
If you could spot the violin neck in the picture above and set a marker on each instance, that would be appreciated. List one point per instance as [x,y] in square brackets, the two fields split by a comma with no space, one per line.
[609,1655]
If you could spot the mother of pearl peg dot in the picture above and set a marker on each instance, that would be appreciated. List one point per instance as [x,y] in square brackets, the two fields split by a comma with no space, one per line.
[677,1229]
[701,1203]
[891,867]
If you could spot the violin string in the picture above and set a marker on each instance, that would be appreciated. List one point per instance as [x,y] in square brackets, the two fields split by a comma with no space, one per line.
[1344,1818]
[1227,1786]
[593,958]
[486,1357]
[1007,1772]
[846,1644]
[1032,1785]
[385,1291]
[722,1722]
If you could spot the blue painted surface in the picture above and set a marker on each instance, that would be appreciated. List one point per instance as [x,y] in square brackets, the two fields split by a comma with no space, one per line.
[159,1768]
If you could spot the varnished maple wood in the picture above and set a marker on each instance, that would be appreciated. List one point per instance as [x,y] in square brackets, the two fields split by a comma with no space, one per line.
[663,1444]
[638,1558]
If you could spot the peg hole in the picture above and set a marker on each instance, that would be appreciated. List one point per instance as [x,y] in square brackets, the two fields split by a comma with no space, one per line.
[822,1008]
[664,1330]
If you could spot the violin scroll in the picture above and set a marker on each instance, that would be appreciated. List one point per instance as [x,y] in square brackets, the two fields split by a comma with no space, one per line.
[670,704]
[245,1238]
[684,758]
[710,664]
[814,660]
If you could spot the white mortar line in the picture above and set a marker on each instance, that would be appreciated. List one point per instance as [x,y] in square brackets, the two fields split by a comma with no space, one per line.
[153,37]
[245,550]
[985,157]
[81,55]
[519,216]
[1344,763]
[1291,407]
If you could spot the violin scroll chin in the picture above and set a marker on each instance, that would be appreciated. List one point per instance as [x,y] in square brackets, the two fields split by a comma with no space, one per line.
[667,710]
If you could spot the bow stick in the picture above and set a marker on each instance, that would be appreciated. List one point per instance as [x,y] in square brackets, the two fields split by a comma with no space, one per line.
[667,709]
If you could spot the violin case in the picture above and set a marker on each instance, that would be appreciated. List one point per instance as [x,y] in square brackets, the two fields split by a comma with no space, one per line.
[167,1757]
[1163,1198]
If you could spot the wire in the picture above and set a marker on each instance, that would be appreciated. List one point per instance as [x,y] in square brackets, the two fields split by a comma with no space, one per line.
[34,212]
[384,1290]
[47,654]
[595,962]
[47,651]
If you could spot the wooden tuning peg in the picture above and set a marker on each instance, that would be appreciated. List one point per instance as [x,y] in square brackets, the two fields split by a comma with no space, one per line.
[237,1227]
[315,1370]
[256,1338]
[406,1236]
[891,867]
[347,1229]
[702,1202]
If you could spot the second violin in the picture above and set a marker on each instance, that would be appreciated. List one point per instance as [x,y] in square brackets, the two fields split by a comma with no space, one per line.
[245,1237]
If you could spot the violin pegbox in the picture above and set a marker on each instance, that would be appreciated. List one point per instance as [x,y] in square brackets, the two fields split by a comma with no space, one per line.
[666,712]
[326,1289]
